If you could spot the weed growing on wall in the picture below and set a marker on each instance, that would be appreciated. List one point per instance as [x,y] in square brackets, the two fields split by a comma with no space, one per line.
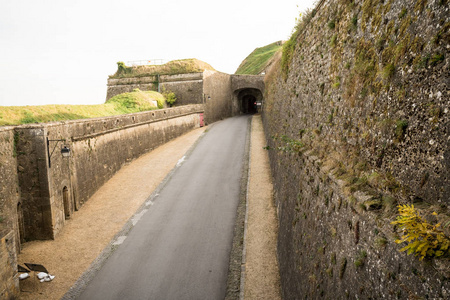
[290,145]
[170,98]
[181,66]
[122,69]
[423,239]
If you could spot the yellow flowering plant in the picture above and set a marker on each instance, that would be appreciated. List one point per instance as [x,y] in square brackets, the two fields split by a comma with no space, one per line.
[423,238]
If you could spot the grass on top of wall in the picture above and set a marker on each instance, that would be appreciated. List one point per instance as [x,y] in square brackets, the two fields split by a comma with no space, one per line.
[125,103]
[255,63]
[181,66]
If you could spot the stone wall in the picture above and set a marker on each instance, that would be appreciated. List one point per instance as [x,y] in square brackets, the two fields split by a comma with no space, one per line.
[188,88]
[126,85]
[357,122]
[9,193]
[217,96]
[40,189]
[9,283]
[9,203]
[52,188]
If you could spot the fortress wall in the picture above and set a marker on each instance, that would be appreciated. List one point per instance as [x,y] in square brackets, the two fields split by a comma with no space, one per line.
[188,88]
[39,193]
[217,93]
[9,199]
[126,85]
[9,283]
[357,122]
[52,189]
[9,193]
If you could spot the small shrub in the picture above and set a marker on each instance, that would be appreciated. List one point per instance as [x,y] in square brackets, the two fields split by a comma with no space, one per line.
[333,258]
[333,40]
[332,24]
[435,59]
[122,68]
[423,239]
[402,13]
[361,259]
[337,82]
[381,242]
[388,71]
[343,267]
[423,62]
[170,98]
[354,23]
[290,145]
[400,129]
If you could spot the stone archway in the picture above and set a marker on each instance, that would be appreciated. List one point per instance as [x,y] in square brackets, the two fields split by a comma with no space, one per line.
[249,100]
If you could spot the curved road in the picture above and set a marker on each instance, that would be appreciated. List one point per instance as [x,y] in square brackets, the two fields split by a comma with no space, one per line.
[179,248]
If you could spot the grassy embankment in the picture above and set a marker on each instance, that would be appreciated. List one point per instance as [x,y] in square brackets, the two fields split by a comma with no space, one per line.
[259,59]
[125,103]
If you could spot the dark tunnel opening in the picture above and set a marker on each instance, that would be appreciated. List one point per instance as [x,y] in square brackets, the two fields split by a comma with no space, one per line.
[249,100]
[249,105]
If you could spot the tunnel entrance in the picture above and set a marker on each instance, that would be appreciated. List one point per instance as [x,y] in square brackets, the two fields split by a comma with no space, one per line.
[249,105]
[249,100]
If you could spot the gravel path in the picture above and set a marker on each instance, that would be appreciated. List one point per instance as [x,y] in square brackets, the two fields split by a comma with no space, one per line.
[92,228]
[262,280]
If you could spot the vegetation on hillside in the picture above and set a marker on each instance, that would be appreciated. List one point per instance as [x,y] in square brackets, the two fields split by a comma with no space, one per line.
[182,66]
[125,103]
[259,59]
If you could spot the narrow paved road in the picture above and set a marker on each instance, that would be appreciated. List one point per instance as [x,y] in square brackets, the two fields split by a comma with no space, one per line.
[180,247]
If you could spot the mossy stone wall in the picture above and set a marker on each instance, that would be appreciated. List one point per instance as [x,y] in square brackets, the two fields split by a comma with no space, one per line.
[357,122]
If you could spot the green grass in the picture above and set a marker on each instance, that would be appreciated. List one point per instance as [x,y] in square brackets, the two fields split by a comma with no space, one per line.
[182,66]
[255,63]
[135,101]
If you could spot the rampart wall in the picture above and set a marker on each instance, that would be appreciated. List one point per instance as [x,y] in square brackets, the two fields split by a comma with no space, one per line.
[357,122]
[188,88]
[9,200]
[40,192]
[217,96]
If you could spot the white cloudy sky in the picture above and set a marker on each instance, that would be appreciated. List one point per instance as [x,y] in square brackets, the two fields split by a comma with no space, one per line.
[61,52]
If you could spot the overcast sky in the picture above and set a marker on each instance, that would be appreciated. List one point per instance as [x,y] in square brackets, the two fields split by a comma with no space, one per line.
[61,52]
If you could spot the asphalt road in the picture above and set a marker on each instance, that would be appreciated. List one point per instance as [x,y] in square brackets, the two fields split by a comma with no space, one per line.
[179,248]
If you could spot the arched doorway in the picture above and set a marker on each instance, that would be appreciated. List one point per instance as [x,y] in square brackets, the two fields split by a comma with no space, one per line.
[66,201]
[249,100]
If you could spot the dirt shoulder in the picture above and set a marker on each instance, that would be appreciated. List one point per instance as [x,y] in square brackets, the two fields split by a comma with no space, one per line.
[262,280]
